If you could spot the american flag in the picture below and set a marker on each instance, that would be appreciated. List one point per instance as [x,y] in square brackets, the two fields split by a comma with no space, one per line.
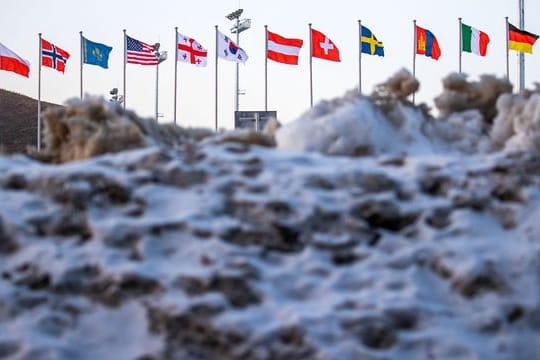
[140,53]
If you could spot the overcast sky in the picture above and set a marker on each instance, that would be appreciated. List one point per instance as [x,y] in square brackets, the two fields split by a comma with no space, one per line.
[153,21]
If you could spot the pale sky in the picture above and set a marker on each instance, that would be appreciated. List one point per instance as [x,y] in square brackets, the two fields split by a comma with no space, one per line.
[153,21]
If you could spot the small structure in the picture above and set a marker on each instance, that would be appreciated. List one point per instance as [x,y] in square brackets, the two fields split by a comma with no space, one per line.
[256,120]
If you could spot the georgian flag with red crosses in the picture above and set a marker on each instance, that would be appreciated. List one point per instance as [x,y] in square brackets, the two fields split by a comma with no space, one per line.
[190,51]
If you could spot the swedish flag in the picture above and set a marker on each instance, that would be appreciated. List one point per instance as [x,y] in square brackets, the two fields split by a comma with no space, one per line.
[95,53]
[370,44]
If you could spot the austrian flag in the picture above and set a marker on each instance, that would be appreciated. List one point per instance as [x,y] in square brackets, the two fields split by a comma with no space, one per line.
[190,51]
[283,50]
[52,56]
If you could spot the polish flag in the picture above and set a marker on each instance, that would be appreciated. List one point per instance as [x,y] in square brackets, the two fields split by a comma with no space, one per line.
[9,61]
[322,47]
[283,50]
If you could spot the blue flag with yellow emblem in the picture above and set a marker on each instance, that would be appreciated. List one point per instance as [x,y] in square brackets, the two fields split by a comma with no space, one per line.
[95,53]
[370,44]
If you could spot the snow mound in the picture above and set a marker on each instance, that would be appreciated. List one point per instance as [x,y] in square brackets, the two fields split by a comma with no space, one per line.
[387,123]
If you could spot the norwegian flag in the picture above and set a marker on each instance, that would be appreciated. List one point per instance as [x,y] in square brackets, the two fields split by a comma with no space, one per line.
[190,51]
[52,56]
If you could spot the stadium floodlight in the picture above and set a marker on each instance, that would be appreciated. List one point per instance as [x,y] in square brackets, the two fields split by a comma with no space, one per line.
[239,26]
[235,14]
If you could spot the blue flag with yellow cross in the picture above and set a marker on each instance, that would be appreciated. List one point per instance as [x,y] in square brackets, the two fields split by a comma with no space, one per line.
[370,44]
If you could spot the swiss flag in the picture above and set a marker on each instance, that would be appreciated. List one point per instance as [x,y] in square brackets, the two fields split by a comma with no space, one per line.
[322,47]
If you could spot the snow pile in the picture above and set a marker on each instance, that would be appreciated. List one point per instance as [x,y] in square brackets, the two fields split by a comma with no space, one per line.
[228,250]
[387,123]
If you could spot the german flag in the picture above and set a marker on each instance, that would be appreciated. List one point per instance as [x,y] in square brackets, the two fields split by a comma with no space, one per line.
[520,40]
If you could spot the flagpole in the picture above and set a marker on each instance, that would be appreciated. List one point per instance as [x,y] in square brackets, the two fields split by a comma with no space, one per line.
[310,67]
[460,43]
[82,52]
[39,98]
[125,55]
[360,57]
[266,69]
[216,89]
[521,54]
[414,57]
[175,70]
[507,51]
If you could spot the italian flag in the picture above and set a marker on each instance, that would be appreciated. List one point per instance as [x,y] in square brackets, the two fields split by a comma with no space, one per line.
[474,40]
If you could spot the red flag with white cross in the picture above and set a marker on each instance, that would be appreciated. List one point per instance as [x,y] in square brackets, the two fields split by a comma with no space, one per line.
[322,47]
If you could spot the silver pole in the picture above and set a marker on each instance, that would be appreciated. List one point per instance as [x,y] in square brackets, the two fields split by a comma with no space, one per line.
[157,89]
[310,68]
[125,61]
[414,58]
[39,98]
[216,89]
[82,61]
[175,70]
[266,69]
[460,43]
[237,94]
[507,50]
[360,57]
[521,54]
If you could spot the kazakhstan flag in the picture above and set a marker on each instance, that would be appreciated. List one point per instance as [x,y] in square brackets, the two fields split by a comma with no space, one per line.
[370,44]
[95,53]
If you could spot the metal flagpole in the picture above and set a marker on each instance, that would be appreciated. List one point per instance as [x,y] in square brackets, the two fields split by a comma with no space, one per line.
[460,43]
[82,54]
[216,89]
[175,70]
[237,89]
[310,67]
[266,69]
[521,54]
[414,57]
[507,50]
[125,60]
[39,98]
[157,90]
[360,57]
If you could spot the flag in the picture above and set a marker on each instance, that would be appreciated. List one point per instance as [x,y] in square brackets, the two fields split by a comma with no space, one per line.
[322,47]
[228,50]
[283,50]
[9,61]
[190,51]
[95,53]
[520,40]
[427,44]
[140,53]
[370,44]
[474,40]
[52,56]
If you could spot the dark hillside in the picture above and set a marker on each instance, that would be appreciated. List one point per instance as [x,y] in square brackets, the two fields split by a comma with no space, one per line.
[18,121]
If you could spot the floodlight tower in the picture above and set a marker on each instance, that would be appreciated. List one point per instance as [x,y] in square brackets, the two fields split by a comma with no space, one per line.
[240,25]
[161,57]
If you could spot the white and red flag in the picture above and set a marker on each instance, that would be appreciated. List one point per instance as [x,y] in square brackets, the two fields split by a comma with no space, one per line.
[190,51]
[322,47]
[283,50]
[52,56]
[9,61]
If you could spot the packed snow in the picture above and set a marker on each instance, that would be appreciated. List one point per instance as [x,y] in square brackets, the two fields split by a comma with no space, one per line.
[372,230]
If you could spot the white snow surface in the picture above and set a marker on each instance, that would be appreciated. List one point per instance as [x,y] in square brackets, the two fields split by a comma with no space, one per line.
[254,253]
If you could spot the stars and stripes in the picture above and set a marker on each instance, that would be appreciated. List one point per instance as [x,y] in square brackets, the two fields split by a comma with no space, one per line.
[138,52]
[52,56]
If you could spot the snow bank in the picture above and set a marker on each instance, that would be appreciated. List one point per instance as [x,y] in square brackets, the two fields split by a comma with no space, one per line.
[387,123]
